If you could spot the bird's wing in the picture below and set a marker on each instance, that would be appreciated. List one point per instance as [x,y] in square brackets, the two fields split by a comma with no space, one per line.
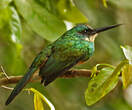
[38,61]
[54,68]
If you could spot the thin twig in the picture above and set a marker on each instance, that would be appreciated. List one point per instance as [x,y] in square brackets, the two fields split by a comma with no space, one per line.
[4,72]
[69,74]
[5,87]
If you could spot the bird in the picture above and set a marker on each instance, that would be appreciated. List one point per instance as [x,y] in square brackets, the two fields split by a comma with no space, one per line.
[73,47]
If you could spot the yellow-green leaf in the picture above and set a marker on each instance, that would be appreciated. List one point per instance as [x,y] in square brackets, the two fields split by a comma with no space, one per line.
[99,67]
[4,3]
[68,11]
[44,23]
[127,75]
[37,102]
[103,82]
[15,26]
[100,85]
[51,106]
[105,3]
[127,50]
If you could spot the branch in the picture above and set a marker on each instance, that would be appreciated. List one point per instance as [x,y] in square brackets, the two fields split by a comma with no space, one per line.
[69,74]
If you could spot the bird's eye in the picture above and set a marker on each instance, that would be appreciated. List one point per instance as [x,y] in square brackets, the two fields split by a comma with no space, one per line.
[86,31]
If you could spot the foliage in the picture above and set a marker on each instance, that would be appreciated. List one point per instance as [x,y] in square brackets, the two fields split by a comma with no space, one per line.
[108,77]
[38,97]
[127,69]
[27,26]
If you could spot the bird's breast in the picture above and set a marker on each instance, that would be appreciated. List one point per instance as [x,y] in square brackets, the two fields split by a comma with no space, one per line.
[73,50]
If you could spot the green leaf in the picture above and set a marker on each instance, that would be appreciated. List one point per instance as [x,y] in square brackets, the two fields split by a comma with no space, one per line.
[42,97]
[105,3]
[103,83]
[10,31]
[127,75]
[15,26]
[4,3]
[100,85]
[64,9]
[99,67]
[127,50]
[40,19]
[68,11]
[4,18]
[15,36]
[37,102]
[127,69]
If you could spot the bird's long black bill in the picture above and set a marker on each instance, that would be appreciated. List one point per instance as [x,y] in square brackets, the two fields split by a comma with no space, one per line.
[105,28]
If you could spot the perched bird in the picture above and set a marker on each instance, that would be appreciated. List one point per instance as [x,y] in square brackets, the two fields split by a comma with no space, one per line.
[73,47]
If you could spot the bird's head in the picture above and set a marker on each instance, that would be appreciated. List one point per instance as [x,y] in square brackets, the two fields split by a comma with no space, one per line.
[89,33]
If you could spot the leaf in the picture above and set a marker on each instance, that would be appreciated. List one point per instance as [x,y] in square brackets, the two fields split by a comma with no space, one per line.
[105,3]
[103,83]
[127,50]
[10,38]
[15,26]
[40,20]
[99,67]
[42,97]
[68,11]
[15,37]
[127,69]
[37,102]
[64,9]
[127,75]
[4,3]
[99,86]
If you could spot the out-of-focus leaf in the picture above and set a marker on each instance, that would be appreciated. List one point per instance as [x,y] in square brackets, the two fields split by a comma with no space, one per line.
[42,97]
[122,3]
[10,36]
[4,18]
[102,83]
[4,3]
[64,9]
[10,19]
[49,5]
[70,12]
[41,21]
[127,69]
[1,73]
[127,50]
[37,102]
[127,75]
[15,26]
[105,3]
[15,35]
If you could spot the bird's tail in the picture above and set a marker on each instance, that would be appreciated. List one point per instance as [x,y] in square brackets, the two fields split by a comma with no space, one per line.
[21,85]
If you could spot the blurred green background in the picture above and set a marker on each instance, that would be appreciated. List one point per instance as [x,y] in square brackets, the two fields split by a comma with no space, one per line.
[27,26]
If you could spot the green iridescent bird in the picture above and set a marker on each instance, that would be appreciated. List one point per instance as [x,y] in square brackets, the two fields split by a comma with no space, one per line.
[73,47]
